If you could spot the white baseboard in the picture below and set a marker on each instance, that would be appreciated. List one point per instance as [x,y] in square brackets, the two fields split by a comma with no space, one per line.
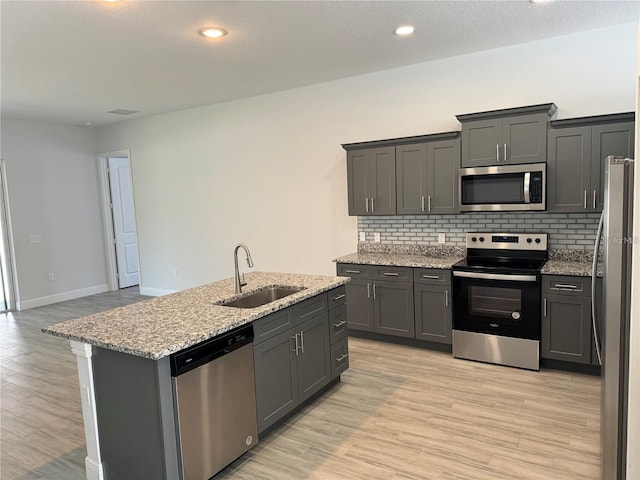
[61,297]
[155,292]
[93,469]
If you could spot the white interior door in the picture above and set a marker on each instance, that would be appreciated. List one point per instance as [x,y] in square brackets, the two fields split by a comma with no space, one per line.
[124,222]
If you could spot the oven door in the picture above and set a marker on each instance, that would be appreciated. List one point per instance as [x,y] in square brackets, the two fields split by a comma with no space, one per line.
[498,304]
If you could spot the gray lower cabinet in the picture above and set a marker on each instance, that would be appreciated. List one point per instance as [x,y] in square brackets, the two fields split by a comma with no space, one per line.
[294,364]
[371,181]
[576,152]
[433,312]
[427,177]
[505,137]
[379,299]
[338,331]
[566,319]
[393,308]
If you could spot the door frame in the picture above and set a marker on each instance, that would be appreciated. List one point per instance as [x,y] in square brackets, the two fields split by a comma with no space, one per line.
[10,272]
[107,216]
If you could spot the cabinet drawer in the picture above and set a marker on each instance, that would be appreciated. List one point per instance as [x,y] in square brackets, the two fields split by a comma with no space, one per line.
[339,357]
[390,274]
[432,276]
[268,327]
[566,285]
[337,297]
[354,270]
[338,323]
[310,308]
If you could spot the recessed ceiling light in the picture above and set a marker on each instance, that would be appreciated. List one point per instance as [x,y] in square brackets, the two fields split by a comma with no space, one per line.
[539,1]
[212,32]
[404,30]
[88,124]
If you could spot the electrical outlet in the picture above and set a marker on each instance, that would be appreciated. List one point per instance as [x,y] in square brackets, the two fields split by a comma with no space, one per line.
[175,272]
[35,239]
[376,237]
[52,277]
[362,236]
[441,238]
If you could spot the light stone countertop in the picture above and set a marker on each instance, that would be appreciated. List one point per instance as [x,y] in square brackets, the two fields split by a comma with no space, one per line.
[400,260]
[164,325]
[570,268]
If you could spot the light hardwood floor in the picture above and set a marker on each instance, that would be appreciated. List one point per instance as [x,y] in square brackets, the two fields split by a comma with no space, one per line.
[399,413]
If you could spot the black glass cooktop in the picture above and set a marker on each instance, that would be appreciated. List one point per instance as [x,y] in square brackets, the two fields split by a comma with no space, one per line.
[500,264]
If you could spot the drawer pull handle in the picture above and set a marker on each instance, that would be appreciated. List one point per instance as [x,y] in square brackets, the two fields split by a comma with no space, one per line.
[566,285]
[391,274]
[338,325]
[352,271]
[430,277]
[341,358]
[339,297]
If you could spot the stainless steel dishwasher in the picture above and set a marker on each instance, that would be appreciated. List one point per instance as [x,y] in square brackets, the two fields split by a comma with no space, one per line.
[215,402]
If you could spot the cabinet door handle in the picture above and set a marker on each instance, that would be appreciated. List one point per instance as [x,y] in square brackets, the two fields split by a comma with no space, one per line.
[366,204]
[545,306]
[391,274]
[446,298]
[341,358]
[372,209]
[430,277]
[368,290]
[339,297]
[585,199]
[422,203]
[505,152]
[297,346]
[429,202]
[374,291]
[301,341]
[497,153]
[338,325]
[352,271]
[594,199]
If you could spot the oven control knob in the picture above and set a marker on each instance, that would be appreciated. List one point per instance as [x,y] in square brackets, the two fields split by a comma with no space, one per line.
[482,239]
[537,240]
[473,239]
[529,240]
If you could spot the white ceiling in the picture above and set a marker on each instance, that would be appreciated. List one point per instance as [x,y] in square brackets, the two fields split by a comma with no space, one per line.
[73,61]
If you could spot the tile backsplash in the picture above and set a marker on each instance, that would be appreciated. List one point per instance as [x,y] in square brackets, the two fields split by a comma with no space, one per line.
[567,231]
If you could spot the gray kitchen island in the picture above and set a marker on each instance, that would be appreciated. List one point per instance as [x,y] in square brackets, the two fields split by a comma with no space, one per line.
[128,388]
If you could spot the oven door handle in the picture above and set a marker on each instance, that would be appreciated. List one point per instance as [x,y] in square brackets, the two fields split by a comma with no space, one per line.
[497,276]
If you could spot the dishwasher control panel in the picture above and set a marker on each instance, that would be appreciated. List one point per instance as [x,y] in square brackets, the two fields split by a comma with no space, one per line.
[209,350]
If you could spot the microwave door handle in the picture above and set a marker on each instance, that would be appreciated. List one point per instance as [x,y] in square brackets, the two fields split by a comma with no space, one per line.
[527,184]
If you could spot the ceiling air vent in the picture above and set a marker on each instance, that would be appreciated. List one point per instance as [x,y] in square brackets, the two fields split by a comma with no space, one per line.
[123,111]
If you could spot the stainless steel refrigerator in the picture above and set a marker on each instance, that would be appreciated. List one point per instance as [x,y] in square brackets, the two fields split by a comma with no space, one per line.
[611,326]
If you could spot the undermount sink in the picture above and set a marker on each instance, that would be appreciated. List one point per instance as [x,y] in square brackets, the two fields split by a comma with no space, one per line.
[261,297]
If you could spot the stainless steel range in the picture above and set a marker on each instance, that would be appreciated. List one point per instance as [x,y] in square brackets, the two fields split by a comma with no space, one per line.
[496,299]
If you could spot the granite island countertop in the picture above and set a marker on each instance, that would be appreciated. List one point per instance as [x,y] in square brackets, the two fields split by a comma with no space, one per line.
[164,325]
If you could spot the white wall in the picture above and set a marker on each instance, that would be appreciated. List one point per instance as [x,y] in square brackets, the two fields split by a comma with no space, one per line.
[52,179]
[269,170]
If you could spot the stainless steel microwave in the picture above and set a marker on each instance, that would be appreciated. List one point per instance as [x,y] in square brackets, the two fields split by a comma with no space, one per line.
[503,188]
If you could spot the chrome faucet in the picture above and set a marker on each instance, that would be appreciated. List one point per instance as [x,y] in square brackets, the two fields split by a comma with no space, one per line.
[241,283]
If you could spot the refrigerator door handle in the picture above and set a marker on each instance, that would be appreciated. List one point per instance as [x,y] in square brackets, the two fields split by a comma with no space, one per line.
[594,277]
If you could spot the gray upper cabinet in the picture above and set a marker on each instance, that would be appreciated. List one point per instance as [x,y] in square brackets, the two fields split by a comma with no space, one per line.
[427,177]
[371,177]
[505,137]
[576,150]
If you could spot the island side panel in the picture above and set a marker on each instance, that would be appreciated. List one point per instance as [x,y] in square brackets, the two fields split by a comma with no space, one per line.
[93,464]
[134,409]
